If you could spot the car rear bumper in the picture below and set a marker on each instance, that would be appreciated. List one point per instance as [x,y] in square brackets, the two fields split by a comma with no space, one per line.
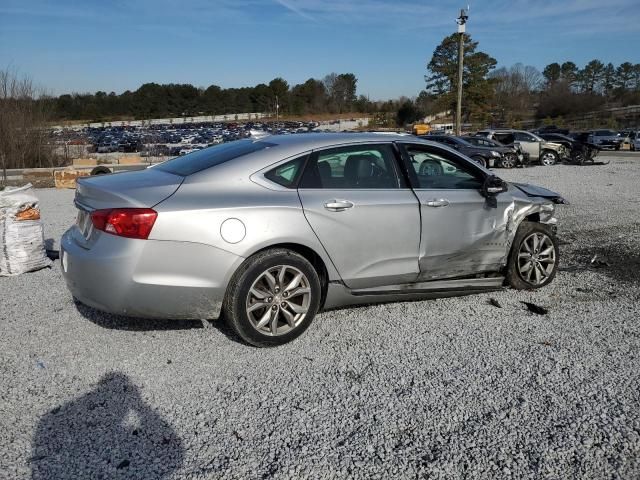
[147,278]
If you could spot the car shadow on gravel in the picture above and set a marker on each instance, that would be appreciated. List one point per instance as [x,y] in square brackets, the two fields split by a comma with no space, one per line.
[118,322]
[617,259]
[109,432]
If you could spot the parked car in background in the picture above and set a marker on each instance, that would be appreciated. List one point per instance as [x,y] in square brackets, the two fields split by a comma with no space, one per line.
[631,138]
[512,155]
[608,139]
[539,150]
[578,151]
[485,156]
[550,129]
[634,141]
[268,232]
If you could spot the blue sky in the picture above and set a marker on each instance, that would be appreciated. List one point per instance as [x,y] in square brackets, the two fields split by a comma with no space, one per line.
[80,46]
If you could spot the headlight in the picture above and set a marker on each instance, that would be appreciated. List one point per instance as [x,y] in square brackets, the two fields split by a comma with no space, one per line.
[495,154]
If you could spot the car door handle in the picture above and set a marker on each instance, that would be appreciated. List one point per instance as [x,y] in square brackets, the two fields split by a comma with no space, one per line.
[441,202]
[338,205]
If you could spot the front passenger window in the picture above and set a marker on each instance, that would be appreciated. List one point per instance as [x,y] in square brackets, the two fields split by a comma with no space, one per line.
[438,170]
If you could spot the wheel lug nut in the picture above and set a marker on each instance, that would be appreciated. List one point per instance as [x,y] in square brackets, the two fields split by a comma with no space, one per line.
[285,294]
[275,307]
[270,299]
[284,304]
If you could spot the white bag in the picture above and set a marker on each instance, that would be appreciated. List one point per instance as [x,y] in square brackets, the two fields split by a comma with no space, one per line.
[21,233]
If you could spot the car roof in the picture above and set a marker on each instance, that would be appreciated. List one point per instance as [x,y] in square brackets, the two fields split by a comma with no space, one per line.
[320,140]
[286,147]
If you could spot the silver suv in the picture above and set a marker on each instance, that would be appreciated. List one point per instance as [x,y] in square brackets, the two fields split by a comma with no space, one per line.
[539,150]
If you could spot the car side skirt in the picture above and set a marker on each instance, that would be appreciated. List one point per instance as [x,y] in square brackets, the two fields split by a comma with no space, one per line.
[338,295]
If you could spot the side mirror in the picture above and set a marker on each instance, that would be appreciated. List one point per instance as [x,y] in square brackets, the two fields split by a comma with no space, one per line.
[493,186]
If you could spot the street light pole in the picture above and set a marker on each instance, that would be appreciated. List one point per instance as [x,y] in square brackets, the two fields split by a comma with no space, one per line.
[461,21]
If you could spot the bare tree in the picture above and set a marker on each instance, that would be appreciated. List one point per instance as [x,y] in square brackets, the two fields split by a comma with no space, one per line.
[24,133]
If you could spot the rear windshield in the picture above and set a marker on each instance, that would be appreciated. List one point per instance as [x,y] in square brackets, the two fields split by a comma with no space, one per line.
[210,157]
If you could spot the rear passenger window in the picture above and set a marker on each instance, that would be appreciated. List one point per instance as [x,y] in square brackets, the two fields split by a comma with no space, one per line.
[352,167]
[288,173]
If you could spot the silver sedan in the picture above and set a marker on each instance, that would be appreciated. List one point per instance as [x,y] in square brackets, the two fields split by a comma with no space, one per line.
[266,232]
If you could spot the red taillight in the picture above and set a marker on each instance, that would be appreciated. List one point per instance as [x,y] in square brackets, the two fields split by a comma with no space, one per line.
[125,222]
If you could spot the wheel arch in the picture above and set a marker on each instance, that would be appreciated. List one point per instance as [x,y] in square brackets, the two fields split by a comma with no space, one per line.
[101,170]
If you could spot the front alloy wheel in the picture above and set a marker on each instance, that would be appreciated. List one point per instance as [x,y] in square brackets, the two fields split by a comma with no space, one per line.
[548,158]
[509,160]
[533,261]
[536,259]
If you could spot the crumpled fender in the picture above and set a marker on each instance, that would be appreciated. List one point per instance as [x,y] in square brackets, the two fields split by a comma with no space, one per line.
[536,191]
[527,202]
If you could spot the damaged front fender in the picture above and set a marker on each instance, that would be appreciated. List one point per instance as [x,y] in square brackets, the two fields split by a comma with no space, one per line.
[530,202]
[536,191]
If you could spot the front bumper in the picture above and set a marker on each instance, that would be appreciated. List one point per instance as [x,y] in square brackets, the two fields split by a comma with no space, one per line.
[147,278]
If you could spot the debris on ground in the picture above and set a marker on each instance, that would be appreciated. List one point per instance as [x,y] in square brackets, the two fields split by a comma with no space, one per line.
[599,263]
[537,309]
[495,302]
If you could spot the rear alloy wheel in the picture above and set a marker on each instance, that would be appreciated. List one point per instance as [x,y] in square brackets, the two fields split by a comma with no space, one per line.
[480,161]
[278,300]
[509,160]
[272,298]
[533,262]
[548,158]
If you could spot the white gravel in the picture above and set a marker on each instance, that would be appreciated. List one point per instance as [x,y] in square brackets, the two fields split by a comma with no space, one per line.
[446,388]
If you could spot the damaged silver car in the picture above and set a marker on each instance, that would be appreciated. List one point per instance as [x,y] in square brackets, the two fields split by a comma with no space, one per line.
[268,232]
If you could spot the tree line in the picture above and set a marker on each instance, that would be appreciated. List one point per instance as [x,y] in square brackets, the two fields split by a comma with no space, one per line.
[509,95]
[335,93]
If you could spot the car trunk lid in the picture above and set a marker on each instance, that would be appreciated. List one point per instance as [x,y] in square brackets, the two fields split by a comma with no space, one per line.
[138,189]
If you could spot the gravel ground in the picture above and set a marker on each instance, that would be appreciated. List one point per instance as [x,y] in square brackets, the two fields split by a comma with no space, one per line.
[444,388]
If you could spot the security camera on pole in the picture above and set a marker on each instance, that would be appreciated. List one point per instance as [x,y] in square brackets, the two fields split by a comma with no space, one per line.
[461,21]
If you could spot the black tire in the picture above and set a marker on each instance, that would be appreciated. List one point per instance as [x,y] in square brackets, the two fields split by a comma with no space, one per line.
[548,158]
[234,308]
[479,160]
[100,170]
[513,276]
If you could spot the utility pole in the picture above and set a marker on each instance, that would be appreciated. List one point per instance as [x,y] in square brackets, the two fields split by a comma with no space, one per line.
[277,110]
[461,21]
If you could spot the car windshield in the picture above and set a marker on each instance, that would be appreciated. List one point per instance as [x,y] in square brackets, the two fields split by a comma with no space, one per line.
[210,157]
